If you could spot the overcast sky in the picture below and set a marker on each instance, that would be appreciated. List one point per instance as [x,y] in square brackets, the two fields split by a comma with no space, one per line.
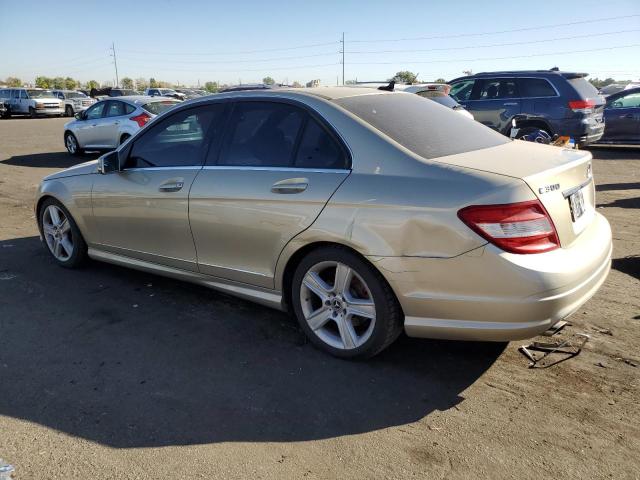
[247,40]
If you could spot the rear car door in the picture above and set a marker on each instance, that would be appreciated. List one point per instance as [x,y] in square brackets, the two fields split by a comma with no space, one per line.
[108,127]
[142,210]
[274,171]
[622,118]
[494,102]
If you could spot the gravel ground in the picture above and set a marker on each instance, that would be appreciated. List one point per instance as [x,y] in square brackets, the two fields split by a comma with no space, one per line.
[110,373]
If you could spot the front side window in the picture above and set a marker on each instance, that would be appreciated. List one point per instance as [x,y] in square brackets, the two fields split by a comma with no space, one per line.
[262,134]
[631,100]
[536,87]
[179,140]
[497,89]
[15,93]
[461,91]
[95,111]
[23,94]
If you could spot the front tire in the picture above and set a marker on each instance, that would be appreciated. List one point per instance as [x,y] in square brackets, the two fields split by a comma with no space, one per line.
[32,112]
[68,111]
[72,145]
[61,234]
[344,305]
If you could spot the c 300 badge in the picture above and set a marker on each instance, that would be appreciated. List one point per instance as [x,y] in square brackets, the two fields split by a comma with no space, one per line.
[549,188]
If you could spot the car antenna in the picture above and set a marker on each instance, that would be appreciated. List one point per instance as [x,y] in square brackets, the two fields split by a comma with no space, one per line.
[388,88]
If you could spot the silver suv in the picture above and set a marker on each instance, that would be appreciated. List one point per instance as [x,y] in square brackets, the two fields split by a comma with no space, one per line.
[74,101]
[32,101]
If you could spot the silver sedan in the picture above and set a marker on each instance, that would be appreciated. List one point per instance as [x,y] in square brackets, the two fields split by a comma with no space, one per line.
[108,123]
[365,213]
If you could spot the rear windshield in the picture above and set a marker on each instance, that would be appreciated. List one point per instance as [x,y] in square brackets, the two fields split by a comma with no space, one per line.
[158,107]
[584,88]
[420,125]
[443,99]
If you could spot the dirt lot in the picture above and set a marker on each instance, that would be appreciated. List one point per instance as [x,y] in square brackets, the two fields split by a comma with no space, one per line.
[111,373]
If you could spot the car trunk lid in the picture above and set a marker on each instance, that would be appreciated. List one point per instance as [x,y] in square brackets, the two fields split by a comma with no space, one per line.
[560,178]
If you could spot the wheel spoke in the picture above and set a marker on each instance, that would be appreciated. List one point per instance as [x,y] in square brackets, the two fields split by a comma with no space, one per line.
[319,318]
[314,283]
[55,216]
[361,307]
[57,248]
[47,229]
[65,226]
[347,333]
[67,246]
[342,279]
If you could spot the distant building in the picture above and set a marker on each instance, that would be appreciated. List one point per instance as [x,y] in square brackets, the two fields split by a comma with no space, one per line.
[313,84]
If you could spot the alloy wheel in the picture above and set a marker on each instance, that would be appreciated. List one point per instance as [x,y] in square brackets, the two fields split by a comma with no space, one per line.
[57,233]
[337,304]
[71,144]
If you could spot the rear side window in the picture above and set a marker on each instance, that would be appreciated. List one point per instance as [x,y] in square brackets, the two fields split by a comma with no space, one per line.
[158,107]
[536,87]
[261,134]
[497,89]
[420,125]
[584,87]
[115,109]
[318,149]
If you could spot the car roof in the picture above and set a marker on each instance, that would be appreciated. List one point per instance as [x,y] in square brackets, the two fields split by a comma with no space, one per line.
[139,99]
[517,73]
[623,93]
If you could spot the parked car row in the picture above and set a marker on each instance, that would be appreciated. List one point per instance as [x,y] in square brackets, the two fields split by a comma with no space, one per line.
[41,102]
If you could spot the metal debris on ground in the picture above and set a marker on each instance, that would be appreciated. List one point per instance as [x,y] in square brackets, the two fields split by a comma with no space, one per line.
[6,470]
[563,350]
[555,328]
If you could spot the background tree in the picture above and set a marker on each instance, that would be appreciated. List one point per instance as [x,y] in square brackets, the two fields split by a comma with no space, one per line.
[43,82]
[268,81]
[350,82]
[126,82]
[91,84]
[153,83]
[70,83]
[405,76]
[440,80]
[211,87]
[142,84]
[58,82]
[13,82]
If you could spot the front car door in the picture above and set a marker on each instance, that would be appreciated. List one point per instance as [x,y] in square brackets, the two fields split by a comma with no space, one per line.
[267,181]
[622,118]
[142,210]
[86,130]
[494,102]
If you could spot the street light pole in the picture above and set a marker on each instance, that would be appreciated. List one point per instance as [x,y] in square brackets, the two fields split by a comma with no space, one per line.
[115,62]
[342,42]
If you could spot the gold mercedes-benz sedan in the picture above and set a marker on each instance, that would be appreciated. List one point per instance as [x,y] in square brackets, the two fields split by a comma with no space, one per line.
[364,212]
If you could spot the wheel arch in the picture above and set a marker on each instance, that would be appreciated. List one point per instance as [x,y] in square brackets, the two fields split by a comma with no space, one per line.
[537,122]
[57,190]
[286,278]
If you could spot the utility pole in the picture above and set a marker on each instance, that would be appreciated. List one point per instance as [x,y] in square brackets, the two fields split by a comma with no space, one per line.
[115,62]
[342,51]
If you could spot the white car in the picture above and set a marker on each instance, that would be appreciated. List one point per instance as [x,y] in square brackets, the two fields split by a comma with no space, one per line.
[108,123]
[33,102]
[74,101]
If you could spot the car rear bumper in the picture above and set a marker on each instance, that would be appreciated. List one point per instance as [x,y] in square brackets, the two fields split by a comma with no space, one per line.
[490,295]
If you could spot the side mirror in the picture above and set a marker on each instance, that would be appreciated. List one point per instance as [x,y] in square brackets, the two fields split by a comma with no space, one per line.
[109,163]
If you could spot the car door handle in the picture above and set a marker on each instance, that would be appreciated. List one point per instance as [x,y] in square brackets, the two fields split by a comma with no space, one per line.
[628,115]
[171,186]
[510,104]
[290,185]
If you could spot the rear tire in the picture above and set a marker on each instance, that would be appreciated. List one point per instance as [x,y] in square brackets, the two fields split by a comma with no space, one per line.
[72,145]
[124,138]
[527,131]
[344,305]
[62,237]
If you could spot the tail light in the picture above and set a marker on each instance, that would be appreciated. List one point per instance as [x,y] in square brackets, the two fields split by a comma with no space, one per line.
[523,227]
[582,106]
[141,119]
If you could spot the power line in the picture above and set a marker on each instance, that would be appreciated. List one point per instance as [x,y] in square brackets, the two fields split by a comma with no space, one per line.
[499,58]
[237,52]
[526,29]
[201,62]
[263,69]
[589,35]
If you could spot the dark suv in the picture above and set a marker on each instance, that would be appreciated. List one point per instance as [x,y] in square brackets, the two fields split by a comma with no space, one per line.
[562,103]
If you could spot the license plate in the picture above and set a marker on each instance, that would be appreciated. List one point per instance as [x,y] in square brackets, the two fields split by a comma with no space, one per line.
[576,203]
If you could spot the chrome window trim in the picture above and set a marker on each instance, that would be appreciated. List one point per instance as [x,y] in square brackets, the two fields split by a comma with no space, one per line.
[277,169]
[557,95]
[154,169]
